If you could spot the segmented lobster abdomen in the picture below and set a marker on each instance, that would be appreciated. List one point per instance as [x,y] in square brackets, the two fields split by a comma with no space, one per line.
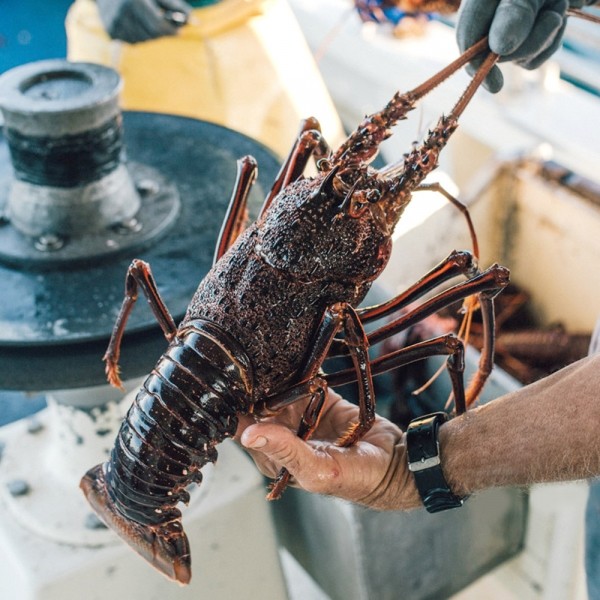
[185,407]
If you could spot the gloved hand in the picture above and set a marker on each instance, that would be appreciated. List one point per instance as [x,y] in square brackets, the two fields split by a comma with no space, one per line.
[526,32]
[140,20]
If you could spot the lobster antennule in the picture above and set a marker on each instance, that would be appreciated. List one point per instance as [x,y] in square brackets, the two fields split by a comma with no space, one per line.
[165,546]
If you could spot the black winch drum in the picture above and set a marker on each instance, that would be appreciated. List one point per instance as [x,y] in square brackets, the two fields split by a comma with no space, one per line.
[84,189]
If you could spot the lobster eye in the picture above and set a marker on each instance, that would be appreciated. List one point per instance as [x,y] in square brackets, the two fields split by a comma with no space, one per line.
[357,207]
[323,164]
[373,196]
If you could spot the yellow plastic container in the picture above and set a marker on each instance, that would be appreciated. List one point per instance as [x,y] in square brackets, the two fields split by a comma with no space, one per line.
[241,63]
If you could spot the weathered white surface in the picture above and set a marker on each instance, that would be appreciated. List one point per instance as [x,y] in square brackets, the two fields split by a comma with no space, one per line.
[234,551]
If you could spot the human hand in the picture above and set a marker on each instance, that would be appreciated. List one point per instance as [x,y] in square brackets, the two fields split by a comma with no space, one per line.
[135,21]
[526,32]
[373,472]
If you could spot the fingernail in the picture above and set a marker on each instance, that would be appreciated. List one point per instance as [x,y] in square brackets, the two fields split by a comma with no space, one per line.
[258,442]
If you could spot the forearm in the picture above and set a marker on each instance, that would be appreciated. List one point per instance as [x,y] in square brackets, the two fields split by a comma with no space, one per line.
[547,431]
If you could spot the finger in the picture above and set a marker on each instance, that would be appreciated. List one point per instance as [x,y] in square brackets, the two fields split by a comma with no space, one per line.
[282,448]
[512,24]
[493,82]
[127,26]
[244,421]
[474,20]
[152,20]
[541,58]
[177,5]
[279,444]
[545,33]
[175,12]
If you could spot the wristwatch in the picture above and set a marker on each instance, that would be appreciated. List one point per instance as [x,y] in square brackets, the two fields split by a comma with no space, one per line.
[423,451]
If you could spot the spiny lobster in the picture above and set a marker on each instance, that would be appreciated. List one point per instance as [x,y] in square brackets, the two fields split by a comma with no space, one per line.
[280,298]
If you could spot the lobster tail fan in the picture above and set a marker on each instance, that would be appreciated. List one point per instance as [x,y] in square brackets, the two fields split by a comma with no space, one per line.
[164,546]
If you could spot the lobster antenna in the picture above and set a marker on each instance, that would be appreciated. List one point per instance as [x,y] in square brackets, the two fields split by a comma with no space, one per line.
[459,107]
[362,145]
[466,57]
[423,159]
[574,12]
[469,304]
[490,60]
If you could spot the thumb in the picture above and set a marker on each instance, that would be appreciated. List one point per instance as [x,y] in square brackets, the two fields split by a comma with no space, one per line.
[281,446]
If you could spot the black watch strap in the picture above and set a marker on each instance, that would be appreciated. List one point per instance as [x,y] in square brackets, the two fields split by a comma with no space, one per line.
[424,463]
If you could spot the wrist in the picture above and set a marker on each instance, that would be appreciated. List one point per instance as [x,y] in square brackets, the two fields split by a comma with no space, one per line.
[451,464]
[466,454]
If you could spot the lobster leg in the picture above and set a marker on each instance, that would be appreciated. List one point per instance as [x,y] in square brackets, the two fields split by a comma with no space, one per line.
[459,262]
[338,315]
[486,285]
[309,143]
[486,361]
[356,339]
[437,187]
[138,275]
[236,216]
[447,344]
[492,280]
[308,423]
[310,384]
[297,392]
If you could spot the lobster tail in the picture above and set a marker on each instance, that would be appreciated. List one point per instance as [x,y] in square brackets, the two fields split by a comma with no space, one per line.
[185,407]
[164,545]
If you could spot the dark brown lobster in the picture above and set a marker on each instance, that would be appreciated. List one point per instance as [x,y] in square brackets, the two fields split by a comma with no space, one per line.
[279,299]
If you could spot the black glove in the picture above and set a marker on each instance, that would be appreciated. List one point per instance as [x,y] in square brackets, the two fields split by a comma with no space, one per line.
[140,20]
[526,32]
